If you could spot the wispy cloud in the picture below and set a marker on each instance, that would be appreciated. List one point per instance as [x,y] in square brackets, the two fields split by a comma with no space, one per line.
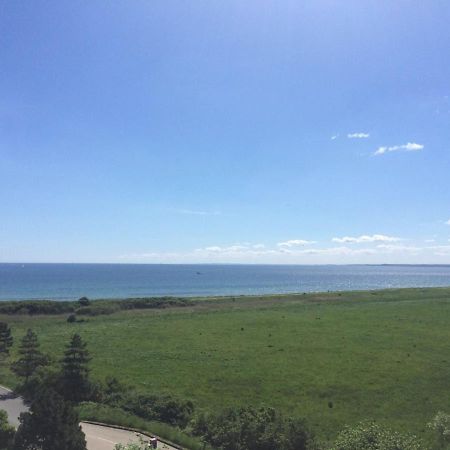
[365,238]
[448,222]
[358,135]
[409,147]
[194,212]
[295,243]
[334,137]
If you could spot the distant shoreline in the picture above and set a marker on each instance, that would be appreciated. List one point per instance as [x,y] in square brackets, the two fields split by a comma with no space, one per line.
[186,300]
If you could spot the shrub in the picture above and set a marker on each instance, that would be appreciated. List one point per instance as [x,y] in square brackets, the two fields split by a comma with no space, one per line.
[163,408]
[72,318]
[254,429]
[84,301]
[371,436]
[441,425]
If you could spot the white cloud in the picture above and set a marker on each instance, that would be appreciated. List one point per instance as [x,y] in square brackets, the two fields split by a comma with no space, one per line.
[385,251]
[295,243]
[230,249]
[448,222]
[365,238]
[409,147]
[358,135]
[441,250]
[334,137]
[258,246]
[399,248]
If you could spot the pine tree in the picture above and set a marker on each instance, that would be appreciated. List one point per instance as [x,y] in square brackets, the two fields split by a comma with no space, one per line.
[6,340]
[75,370]
[51,424]
[6,431]
[31,358]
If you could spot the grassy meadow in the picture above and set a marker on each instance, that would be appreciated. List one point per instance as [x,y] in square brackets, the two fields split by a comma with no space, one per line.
[334,358]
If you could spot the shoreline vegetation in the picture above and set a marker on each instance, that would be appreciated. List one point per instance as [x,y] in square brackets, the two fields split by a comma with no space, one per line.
[92,307]
[317,362]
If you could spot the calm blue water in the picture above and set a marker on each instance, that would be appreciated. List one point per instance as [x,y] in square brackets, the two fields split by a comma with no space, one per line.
[71,281]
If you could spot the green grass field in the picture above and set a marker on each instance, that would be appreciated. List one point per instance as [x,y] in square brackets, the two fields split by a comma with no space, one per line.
[333,358]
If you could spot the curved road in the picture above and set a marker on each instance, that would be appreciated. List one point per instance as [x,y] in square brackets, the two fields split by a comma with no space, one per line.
[97,437]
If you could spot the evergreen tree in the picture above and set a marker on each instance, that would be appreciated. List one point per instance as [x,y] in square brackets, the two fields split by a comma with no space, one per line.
[51,424]
[6,340]
[6,431]
[75,370]
[31,357]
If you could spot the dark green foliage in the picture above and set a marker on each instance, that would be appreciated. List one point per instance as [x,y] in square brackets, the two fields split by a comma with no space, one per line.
[154,303]
[75,370]
[254,429]
[33,307]
[98,310]
[84,301]
[85,306]
[72,318]
[31,357]
[51,424]
[114,392]
[163,408]
[6,431]
[6,340]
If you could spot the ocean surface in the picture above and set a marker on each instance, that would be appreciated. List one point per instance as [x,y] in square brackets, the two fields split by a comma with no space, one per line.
[72,281]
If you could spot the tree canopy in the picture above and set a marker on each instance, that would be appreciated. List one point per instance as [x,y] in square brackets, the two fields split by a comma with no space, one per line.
[51,424]
[31,358]
[75,370]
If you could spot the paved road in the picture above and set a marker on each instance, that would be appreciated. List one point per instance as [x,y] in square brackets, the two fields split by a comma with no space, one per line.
[97,437]
[12,404]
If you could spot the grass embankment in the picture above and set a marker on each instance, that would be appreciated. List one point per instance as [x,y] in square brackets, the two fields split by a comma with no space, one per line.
[333,358]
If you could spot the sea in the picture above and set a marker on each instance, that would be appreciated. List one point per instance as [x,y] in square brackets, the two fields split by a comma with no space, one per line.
[72,281]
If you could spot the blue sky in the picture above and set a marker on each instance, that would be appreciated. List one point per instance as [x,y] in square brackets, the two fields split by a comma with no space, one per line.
[206,131]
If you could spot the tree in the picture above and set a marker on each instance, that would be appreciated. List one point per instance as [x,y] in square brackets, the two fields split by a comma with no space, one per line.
[6,340]
[51,424]
[30,357]
[75,370]
[84,301]
[371,436]
[254,429]
[6,431]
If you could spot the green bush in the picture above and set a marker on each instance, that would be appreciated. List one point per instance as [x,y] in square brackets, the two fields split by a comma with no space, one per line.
[254,429]
[33,307]
[84,301]
[441,425]
[163,408]
[371,436]
[84,306]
